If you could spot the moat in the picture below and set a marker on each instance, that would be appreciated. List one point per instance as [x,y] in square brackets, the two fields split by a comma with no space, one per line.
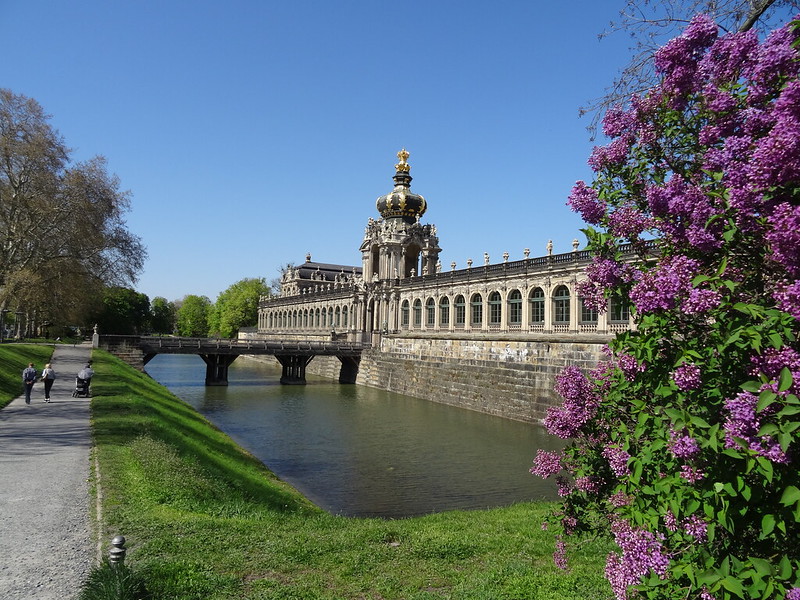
[359,451]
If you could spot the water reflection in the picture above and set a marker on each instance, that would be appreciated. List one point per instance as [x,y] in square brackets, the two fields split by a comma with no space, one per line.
[359,451]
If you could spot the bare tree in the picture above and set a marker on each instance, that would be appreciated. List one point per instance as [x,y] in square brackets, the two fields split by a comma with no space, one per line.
[62,228]
[650,23]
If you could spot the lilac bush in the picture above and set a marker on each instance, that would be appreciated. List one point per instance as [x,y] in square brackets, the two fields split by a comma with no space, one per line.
[684,441]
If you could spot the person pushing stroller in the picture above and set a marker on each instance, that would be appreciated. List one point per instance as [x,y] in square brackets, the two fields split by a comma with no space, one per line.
[83,381]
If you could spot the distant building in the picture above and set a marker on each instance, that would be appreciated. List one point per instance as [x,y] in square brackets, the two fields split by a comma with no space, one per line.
[401,287]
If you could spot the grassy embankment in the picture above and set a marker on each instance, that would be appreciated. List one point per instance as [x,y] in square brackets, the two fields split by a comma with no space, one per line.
[206,520]
[13,359]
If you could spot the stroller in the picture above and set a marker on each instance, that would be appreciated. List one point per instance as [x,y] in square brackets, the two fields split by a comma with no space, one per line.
[81,388]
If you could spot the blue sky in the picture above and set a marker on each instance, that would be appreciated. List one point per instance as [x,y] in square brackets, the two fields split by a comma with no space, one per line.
[252,132]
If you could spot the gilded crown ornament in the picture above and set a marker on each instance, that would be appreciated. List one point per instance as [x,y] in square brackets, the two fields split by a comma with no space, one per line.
[402,165]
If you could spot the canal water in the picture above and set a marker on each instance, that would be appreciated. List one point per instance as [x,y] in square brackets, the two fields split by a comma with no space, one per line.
[359,451]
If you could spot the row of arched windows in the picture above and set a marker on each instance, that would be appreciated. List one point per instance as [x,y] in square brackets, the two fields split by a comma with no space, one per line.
[462,312]
[308,318]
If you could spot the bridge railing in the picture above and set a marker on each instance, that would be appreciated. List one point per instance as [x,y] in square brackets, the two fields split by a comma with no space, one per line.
[166,343]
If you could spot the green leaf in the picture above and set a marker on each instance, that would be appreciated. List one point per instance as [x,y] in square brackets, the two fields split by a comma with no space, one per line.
[785,380]
[766,398]
[790,495]
[767,524]
[751,386]
[762,567]
[732,584]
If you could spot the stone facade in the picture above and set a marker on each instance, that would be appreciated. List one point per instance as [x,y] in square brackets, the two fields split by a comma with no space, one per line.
[490,337]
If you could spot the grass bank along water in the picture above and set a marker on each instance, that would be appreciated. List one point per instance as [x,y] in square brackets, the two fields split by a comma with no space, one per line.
[205,519]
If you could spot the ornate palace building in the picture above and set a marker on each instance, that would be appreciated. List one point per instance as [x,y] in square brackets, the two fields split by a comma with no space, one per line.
[401,288]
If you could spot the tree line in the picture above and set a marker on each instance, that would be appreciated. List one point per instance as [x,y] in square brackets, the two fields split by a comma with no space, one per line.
[125,311]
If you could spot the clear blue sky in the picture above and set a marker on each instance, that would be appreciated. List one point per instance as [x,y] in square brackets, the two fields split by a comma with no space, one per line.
[252,132]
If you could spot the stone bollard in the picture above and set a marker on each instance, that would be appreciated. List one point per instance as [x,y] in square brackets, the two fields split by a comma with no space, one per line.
[116,556]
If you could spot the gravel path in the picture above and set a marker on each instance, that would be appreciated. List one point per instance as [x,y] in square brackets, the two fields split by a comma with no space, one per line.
[45,541]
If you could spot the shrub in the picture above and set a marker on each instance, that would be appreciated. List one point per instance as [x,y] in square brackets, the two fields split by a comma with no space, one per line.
[685,440]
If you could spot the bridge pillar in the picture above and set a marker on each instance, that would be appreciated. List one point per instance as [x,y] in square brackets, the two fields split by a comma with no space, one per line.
[217,367]
[349,370]
[294,368]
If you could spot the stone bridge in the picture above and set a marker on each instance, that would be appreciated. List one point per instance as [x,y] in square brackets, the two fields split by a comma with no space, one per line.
[218,354]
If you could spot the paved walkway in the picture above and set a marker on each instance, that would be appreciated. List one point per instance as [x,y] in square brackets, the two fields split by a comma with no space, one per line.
[45,541]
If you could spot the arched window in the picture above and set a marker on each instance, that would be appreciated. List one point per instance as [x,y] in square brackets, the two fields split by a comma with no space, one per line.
[515,307]
[430,312]
[338,316]
[561,305]
[344,317]
[461,310]
[537,306]
[476,313]
[495,308]
[444,311]
[270,321]
[316,318]
[417,313]
[324,317]
[404,314]
[305,319]
[294,319]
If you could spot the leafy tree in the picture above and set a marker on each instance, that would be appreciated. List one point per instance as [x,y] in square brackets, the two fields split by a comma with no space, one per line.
[62,233]
[162,315]
[237,307]
[686,441]
[192,316]
[123,311]
[650,23]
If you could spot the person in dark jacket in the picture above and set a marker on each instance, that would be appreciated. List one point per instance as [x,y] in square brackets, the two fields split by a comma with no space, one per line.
[28,379]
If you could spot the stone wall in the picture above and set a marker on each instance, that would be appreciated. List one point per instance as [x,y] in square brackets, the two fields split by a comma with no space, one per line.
[508,378]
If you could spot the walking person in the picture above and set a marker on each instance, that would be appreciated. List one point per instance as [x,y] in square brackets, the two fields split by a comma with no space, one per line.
[28,379]
[48,376]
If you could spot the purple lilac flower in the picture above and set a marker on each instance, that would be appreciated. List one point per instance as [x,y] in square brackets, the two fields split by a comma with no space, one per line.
[589,484]
[661,288]
[629,366]
[776,158]
[617,121]
[546,464]
[670,522]
[580,404]
[641,553]
[617,459]
[628,222]
[773,59]
[682,445]
[784,237]
[585,201]
[793,594]
[692,474]
[788,299]
[728,56]
[560,555]
[615,153]
[687,377]
[705,595]
[771,362]
[618,499]
[696,527]
[743,423]
[701,300]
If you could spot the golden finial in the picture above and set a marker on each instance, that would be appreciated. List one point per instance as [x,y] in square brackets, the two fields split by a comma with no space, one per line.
[402,165]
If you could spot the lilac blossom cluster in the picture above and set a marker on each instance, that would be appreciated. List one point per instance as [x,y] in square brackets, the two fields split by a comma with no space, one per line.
[682,445]
[687,377]
[743,422]
[546,464]
[617,459]
[641,553]
[580,404]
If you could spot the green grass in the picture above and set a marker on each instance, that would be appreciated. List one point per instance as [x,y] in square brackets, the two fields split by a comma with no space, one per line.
[14,358]
[206,520]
